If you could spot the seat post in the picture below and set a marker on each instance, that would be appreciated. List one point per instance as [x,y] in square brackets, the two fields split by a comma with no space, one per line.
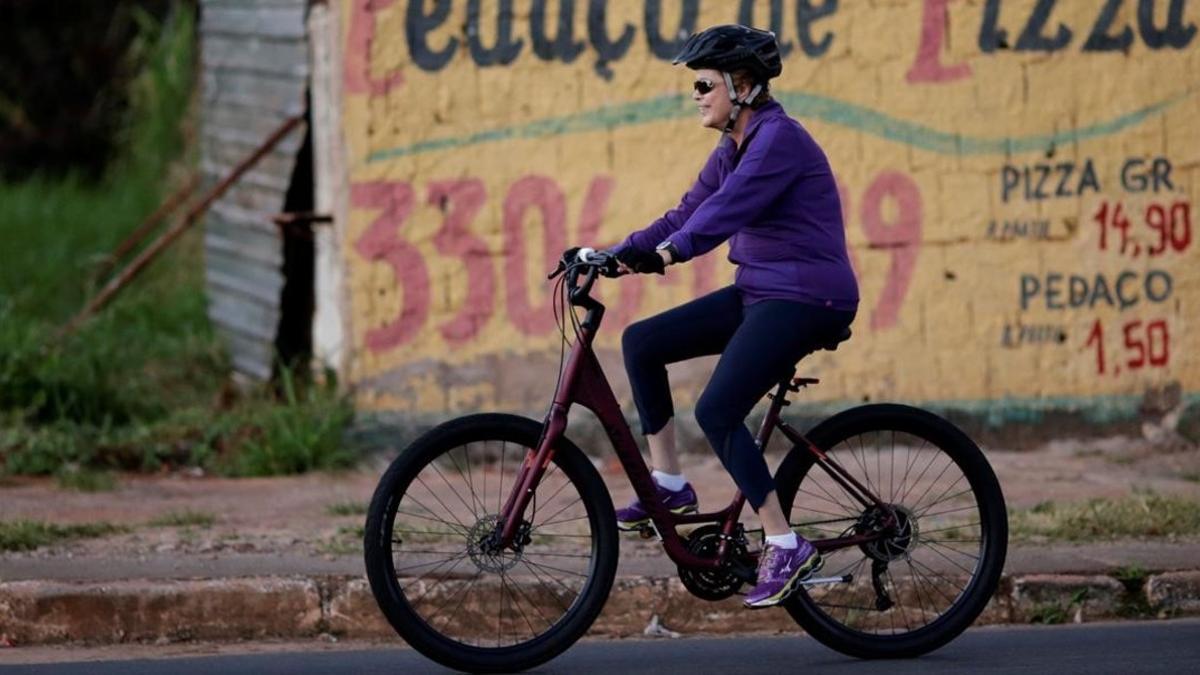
[778,400]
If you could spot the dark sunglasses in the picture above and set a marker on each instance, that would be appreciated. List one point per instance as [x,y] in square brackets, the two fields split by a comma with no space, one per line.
[703,86]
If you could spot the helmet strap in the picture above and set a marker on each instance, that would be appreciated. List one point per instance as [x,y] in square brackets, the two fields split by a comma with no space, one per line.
[737,103]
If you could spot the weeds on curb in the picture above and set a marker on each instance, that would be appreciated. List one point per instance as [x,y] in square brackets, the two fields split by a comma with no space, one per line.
[1144,514]
[1055,613]
[1048,614]
[185,518]
[1132,577]
[27,535]
[1133,604]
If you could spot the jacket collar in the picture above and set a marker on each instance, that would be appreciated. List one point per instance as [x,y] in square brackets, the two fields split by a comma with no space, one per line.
[769,111]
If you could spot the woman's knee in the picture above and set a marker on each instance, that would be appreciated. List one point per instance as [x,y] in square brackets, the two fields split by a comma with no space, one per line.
[713,417]
[637,342]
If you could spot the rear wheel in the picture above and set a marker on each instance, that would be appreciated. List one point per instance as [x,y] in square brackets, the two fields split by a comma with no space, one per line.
[452,595]
[931,573]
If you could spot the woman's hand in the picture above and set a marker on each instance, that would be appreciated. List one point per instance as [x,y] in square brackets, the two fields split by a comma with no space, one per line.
[642,262]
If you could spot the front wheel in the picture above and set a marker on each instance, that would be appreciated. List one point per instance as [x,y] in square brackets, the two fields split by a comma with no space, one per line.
[450,594]
[930,574]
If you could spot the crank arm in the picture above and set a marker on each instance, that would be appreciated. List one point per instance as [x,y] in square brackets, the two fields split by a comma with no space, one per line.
[822,581]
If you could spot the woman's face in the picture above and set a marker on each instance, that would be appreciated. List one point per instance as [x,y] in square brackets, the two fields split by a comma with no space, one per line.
[714,105]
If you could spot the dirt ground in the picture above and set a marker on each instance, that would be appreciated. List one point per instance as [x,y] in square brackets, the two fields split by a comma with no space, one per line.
[291,515]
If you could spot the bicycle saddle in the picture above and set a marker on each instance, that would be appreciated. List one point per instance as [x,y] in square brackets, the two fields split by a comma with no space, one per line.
[832,345]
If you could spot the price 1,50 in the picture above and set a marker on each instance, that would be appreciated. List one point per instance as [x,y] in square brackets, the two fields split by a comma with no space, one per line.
[1145,343]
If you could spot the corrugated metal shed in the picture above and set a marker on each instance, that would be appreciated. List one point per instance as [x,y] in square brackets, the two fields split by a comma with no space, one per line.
[255,57]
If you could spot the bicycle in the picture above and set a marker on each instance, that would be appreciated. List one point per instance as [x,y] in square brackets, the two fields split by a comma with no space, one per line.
[530,551]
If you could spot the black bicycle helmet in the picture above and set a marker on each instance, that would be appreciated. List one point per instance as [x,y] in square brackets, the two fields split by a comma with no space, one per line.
[733,47]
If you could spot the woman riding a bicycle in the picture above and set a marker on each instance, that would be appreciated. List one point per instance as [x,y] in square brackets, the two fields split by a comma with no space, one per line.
[769,190]
[490,542]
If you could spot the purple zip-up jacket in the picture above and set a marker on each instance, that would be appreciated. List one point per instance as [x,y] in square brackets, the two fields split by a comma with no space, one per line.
[776,201]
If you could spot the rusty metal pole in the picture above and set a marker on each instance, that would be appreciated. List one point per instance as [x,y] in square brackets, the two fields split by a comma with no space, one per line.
[145,257]
[152,221]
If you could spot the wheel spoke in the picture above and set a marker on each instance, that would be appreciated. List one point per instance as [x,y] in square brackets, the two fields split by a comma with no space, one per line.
[932,572]
[439,563]
[942,498]
[951,527]
[503,578]
[537,576]
[462,529]
[972,507]
[952,562]
[550,519]
[564,520]
[949,463]
[544,567]
[924,578]
[443,504]
[470,483]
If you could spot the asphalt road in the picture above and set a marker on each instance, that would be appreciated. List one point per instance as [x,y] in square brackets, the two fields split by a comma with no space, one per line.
[1150,647]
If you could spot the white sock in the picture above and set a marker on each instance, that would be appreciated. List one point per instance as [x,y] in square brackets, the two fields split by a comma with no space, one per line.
[671,481]
[784,540]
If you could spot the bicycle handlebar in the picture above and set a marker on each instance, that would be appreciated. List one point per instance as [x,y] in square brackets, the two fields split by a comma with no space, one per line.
[589,263]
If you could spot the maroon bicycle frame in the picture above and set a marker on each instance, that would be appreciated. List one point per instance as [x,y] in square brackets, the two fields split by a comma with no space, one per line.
[583,382]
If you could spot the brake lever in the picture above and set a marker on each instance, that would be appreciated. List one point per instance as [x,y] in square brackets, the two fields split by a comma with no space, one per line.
[557,270]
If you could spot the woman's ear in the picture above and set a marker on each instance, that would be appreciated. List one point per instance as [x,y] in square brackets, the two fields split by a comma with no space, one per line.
[743,86]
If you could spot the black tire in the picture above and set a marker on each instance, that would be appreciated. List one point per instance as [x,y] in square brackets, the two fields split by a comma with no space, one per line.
[845,616]
[388,548]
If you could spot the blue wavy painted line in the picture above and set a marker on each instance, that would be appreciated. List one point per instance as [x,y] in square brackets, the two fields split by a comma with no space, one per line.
[803,105]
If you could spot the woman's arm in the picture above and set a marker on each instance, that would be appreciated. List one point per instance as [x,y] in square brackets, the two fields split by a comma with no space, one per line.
[769,167]
[706,184]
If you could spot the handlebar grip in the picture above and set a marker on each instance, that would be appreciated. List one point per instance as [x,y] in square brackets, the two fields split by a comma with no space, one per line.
[580,292]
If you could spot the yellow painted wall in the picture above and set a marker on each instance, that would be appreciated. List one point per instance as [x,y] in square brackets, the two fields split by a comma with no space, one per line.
[983,149]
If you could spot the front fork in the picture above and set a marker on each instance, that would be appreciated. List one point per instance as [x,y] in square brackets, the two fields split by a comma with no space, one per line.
[528,477]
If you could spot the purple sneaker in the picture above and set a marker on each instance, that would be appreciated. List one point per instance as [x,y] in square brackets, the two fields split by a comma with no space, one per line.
[635,515]
[780,570]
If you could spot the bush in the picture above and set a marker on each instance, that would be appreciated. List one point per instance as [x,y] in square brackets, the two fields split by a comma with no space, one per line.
[66,81]
[143,385]
[303,433]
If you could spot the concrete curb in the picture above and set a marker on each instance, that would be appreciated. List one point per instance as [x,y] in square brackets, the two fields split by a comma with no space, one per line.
[50,612]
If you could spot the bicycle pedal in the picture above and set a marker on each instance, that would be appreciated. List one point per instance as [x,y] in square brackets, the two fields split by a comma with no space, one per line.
[648,532]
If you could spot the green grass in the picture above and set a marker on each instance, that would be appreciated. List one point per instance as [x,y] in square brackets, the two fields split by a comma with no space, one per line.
[152,349]
[185,518]
[27,535]
[143,386]
[347,541]
[87,480]
[1139,515]
[347,508]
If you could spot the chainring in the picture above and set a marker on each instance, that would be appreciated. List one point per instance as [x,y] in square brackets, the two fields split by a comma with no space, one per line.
[712,585]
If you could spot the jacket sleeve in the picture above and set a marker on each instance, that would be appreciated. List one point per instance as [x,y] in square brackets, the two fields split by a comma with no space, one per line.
[764,173]
[706,184]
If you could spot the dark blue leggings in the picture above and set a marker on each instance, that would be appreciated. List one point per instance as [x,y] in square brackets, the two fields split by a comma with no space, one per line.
[758,344]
